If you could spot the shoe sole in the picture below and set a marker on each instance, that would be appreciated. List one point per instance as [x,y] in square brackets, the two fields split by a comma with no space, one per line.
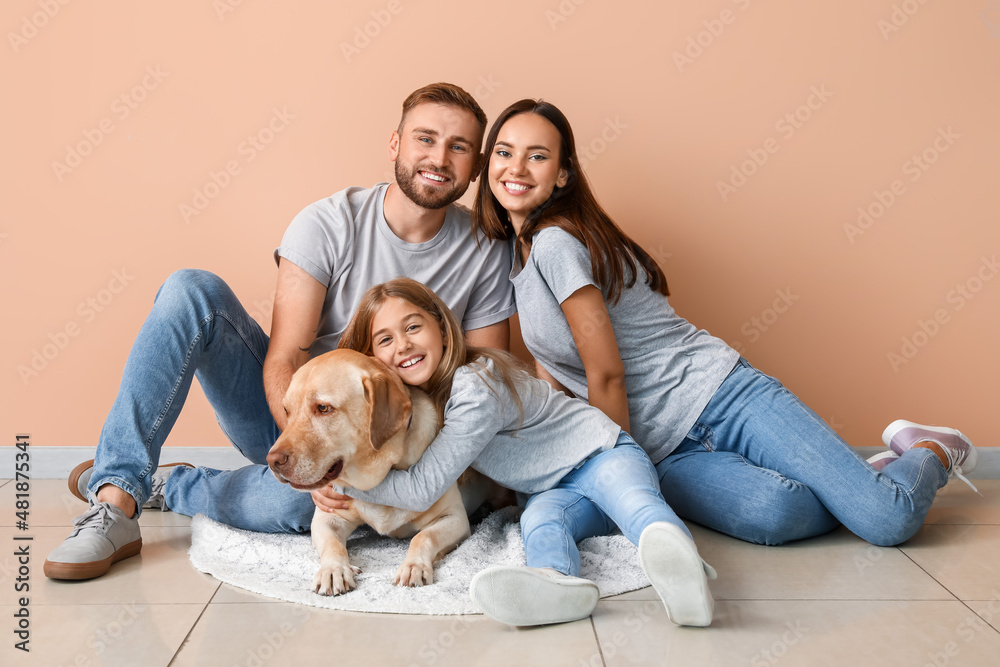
[896,427]
[74,477]
[521,597]
[677,575]
[881,460]
[93,569]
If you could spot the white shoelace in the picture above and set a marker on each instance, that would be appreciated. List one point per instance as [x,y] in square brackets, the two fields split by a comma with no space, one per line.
[956,469]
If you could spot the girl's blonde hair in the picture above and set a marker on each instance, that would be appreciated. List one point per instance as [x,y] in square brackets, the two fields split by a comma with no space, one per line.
[358,336]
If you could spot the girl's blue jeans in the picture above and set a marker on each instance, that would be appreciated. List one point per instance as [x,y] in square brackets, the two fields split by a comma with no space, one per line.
[618,487]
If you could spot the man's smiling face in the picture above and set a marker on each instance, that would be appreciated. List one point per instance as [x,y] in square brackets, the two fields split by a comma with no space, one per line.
[436,152]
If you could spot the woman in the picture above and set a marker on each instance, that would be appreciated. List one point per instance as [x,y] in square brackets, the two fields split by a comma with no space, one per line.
[734,450]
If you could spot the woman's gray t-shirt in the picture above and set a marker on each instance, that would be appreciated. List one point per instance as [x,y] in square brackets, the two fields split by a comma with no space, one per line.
[672,369]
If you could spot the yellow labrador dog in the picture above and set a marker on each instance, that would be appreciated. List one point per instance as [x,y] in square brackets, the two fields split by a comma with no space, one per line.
[351,420]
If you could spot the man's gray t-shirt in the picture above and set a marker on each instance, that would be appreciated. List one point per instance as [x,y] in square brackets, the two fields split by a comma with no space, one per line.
[344,242]
[483,430]
[672,369]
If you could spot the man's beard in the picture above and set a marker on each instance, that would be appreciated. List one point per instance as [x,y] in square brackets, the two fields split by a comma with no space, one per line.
[406,178]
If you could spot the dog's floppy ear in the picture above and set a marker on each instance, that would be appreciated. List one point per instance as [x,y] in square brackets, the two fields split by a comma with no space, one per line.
[388,406]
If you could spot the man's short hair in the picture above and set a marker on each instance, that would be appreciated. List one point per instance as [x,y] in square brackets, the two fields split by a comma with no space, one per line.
[447,94]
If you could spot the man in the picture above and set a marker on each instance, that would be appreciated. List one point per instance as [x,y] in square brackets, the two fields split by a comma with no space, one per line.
[332,252]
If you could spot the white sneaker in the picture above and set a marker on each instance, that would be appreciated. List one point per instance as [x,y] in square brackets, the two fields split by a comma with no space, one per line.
[532,596]
[670,559]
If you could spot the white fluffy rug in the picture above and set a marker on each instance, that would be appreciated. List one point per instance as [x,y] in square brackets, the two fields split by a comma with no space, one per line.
[283,566]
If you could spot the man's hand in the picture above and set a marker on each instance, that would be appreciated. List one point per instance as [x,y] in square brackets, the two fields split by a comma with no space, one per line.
[329,500]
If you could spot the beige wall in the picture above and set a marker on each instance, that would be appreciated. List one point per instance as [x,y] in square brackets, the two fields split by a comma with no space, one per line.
[669,98]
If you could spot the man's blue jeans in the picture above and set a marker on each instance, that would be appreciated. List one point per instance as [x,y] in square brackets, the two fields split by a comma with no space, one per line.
[762,467]
[198,328]
[616,487]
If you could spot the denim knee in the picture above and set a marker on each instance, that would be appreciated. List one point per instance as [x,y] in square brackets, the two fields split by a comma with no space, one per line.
[195,286]
[795,514]
[540,513]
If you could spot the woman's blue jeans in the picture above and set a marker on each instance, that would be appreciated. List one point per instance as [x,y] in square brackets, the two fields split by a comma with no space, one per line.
[616,487]
[198,328]
[762,467]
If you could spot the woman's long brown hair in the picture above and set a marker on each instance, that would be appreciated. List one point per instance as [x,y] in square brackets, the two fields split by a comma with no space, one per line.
[573,208]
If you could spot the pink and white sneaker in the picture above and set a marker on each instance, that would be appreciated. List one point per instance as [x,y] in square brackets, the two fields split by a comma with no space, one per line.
[901,435]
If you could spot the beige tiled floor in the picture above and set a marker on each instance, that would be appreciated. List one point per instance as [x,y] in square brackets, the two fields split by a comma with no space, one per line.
[834,600]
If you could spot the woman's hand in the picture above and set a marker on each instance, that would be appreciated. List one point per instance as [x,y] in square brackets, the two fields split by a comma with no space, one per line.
[328,500]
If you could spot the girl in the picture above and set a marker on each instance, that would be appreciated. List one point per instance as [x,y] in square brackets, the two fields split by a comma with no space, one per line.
[734,450]
[517,430]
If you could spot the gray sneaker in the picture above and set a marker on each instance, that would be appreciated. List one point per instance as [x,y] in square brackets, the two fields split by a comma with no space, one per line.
[156,500]
[79,480]
[102,535]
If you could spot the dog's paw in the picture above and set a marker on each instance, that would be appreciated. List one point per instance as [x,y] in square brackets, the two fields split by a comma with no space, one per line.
[414,574]
[334,580]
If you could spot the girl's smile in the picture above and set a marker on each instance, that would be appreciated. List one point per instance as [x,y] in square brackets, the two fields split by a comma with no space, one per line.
[408,340]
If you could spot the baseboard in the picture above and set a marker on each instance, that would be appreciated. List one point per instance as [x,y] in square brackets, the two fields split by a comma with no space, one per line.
[57,462]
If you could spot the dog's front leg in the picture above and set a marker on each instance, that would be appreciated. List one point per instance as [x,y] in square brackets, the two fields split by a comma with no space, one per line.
[433,541]
[329,536]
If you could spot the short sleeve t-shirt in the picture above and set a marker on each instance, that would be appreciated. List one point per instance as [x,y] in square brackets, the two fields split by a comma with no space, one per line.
[344,242]
[672,369]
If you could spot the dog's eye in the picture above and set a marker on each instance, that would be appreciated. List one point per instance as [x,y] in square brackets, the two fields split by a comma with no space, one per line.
[323,408]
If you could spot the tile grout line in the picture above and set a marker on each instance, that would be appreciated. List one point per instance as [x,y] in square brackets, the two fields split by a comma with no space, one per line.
[977,615]
[922,569]
[597,640]
[193,626]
